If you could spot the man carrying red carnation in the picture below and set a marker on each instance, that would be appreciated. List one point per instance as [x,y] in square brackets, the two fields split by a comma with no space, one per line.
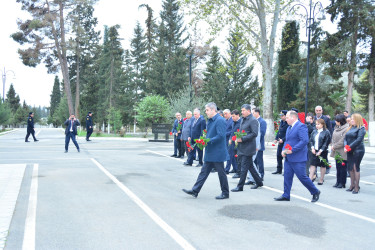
[295,153]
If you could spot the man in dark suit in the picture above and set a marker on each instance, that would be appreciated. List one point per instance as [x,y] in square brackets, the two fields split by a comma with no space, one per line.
[263,129]
[280,139]
[229,123]
[177,136]
[71,132]
[247,148]
[215,153]
[89,126]
[197,127]
[30,127]
[235,126]
[319,115]
[295,159]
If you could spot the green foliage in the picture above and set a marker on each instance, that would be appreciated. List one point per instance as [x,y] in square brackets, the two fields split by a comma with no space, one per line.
[180,102]
[4,113]
[114,119]
[55,96]
[152,109]
[61,113]
[287,82]
[13,99]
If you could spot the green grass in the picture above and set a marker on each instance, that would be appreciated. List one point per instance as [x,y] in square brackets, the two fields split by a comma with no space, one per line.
[96,134]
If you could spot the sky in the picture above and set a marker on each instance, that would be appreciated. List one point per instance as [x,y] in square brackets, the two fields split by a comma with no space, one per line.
[34,85]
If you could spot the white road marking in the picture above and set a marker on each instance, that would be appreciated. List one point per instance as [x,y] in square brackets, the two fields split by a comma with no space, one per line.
[160,222]
[307,200]
[37,133]
[157,153]
[29,234]
[46,159]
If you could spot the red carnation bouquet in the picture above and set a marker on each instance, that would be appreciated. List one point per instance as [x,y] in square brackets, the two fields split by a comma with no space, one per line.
[339,159]
[179,126]
[189,147]
[185,118]
[348,148]
[170,133]
[201,143]
[287,147]
[238,135]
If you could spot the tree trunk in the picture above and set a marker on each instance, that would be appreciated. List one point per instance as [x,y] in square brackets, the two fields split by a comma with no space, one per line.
[77,82]
[111,84]
[371,94]
[349,94]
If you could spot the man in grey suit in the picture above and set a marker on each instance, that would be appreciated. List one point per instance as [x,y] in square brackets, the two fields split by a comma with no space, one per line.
[247,148]
[186,129]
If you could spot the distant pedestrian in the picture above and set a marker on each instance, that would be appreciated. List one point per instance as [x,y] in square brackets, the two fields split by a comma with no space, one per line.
[89,126]
[71,132]
[177,131]
[186,130]
[30,127]
[263,129]
[280,139]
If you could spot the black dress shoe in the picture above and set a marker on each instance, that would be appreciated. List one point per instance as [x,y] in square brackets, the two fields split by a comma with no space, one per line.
[232,171]
[340,186]
[281,198]
[187,164]
[36,140]
[78,150]
[236,176]
[277,172]
[350,189]
[335,186]
[226,172]
[237,189]
[198,165]
[182,157]
[256,186]
[27,141]
[173,155]
[191,192]
[249,183]
[315,197]
[222,197]
[66,151]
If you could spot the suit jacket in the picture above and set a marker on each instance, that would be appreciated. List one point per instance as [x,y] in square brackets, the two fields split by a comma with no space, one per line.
[235,126]
[197,128]
[354,138]
[297,137]
[282,131]
[88,122]
[248,145]
[216,150]
[229,124]
[186,130]
[174,129]
[263,129]
[30,124]
[68,123]
[323,140]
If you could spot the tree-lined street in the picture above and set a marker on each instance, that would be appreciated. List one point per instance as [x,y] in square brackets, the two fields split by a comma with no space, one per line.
[126,194]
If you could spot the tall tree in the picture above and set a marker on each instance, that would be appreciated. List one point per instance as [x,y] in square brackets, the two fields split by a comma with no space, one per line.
[13,99]
[55,96]
[288,86]
[169,72]
[83,46]
[259,20]
[45,32]
[341,47]
[240,86]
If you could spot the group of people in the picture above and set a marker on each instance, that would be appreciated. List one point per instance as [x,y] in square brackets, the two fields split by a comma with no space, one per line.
[70,131]
[302,145]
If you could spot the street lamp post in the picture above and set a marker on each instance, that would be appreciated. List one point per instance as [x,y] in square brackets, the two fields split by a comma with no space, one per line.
[310,19]
[4,77]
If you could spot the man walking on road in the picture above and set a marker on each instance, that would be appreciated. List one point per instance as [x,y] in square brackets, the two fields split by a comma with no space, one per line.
[30,127]
[71,132]
[89,126]
[215,153]
[295,153]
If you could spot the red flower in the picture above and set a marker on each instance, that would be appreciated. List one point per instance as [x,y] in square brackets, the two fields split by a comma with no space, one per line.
[236,156]
[187,144]
[343,163]
[348,148]
[288,147]
[329,166]
[243,131]
[170,133]
[180,122]
[273,144]
[238,130]
[185,118]
[234,138]
[203,143]
[205,131]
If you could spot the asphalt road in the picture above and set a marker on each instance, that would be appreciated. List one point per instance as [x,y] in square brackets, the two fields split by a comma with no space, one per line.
[126,194]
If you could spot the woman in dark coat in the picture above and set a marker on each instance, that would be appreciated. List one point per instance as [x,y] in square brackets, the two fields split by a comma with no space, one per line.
[355,150]
[319,141]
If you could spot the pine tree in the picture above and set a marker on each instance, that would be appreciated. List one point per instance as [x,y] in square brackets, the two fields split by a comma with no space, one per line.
[55,96]
[287,84]
[13,99]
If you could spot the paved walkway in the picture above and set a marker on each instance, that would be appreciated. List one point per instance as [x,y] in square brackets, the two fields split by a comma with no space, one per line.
[11,176]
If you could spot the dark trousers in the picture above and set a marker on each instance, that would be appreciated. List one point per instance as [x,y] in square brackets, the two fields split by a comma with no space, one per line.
[259,162]
[89,132]
[180,148]
[175,145]
[32,132]
[247,165]
[232,160]
[69,136]
[185,148]
[205,172]
[341,172]
[191,156]
[298,168]
[279,157]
